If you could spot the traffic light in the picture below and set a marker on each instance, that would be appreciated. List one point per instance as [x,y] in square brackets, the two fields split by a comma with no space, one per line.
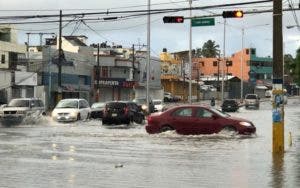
[173,19]
[233,14]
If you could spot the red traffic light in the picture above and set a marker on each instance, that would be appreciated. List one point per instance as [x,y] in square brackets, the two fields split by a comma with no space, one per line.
[173,19]
[233,14]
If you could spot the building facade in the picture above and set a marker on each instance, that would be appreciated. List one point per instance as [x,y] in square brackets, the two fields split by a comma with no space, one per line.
[15,80]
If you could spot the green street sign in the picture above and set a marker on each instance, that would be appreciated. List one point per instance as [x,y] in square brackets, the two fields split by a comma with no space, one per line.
[203,22]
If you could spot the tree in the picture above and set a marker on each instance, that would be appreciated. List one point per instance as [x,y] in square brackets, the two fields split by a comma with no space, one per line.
[297,66]
[210,49]
[289,64]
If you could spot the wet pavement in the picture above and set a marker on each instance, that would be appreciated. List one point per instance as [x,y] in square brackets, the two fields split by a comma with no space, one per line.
[86,154]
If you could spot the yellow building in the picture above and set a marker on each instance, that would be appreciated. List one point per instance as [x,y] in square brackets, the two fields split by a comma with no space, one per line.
[172,79]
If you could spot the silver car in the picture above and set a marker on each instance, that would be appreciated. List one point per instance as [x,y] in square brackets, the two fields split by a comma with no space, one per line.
[20,108]
[252,100]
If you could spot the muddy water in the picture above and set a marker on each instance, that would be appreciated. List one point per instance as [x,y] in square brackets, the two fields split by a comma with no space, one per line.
[86,154]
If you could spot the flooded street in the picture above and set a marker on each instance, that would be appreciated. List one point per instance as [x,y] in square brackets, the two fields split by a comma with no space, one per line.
[86,154]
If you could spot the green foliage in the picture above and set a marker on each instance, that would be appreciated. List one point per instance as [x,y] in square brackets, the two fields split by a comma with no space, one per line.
[209,49]
[297,66]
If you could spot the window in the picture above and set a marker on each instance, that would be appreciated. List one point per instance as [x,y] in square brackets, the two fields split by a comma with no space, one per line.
[104,72]
[83,104]
[252,51]
[203,113]
[185,112]
[2,59]
[228,63]
[247,51]
[215,63]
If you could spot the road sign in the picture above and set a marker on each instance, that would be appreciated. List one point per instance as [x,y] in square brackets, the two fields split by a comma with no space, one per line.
[203,22]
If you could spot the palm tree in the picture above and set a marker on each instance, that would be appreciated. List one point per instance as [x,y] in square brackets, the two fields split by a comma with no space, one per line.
[210,49]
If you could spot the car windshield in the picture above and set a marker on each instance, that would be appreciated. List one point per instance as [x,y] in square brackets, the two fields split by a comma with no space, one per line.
[229,102]
[140,101]
[251,97]
[67,104]
[18,103]
[116,105]
[98,105]
[157,102]
[220,113]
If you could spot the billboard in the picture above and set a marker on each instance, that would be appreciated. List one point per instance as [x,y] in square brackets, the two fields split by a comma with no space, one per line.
[25,78]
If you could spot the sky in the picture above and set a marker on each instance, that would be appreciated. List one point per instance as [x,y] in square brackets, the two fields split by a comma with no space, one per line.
[174,37]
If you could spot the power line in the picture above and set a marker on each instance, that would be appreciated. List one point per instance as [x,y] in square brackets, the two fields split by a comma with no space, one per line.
[134,11]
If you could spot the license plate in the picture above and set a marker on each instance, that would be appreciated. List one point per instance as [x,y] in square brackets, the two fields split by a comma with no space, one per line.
[114,115]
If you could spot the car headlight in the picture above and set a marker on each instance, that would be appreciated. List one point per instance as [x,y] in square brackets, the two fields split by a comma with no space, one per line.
[73,114]
[144,107]
[247,124]
[53,114]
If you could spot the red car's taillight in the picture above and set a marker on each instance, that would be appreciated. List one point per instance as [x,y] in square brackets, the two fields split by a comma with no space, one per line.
[149,119]
[126,110]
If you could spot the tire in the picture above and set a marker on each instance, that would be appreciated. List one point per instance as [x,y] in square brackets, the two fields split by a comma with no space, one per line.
[88,116]
[166,128]
[229,129]
[78,117]
[139,119]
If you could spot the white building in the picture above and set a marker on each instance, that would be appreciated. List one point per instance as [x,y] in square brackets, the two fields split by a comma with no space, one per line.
[15,81]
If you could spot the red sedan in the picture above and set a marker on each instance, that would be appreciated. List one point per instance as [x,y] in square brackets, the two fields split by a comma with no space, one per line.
[197,119]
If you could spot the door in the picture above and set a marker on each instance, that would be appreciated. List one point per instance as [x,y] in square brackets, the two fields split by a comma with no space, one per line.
[204,121]
[181,120]
[84,109]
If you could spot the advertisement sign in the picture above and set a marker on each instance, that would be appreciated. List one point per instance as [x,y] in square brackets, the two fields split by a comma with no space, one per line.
[25,78]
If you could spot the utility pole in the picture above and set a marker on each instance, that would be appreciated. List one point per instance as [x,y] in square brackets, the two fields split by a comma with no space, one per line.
[98,71]
[278,106]
[198,79]
[190,55]
[148,56]
[223,62]
[242,66]
[133,60]
[59,94]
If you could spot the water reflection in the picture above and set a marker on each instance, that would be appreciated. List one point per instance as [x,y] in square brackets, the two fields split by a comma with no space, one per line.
[277,171]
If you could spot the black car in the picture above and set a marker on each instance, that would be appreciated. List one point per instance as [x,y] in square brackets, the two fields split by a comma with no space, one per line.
[142,103]
[97,110]
[230,105]
[122,112]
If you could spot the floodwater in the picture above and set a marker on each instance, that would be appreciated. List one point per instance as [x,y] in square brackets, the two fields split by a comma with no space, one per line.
[86,154]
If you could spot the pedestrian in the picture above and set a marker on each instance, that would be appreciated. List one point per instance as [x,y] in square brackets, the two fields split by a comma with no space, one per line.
[212,101]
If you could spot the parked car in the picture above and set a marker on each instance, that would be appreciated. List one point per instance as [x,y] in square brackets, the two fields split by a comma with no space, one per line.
[122,112]
[97,110]
[252,100]
[268,93]
[18,109]
[230,105]
[168,97]
[158,105]
[142,102]
[68,110]
[197,119]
